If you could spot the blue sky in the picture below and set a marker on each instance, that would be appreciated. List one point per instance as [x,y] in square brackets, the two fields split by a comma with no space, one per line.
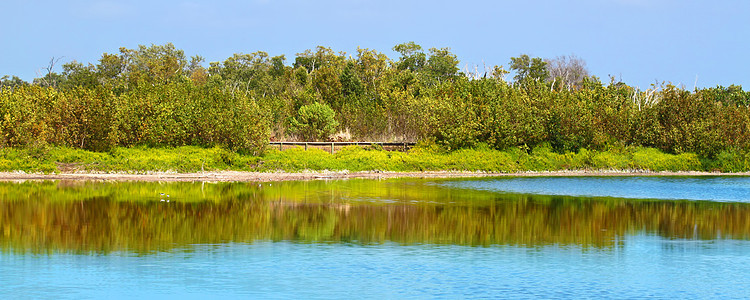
[639,41]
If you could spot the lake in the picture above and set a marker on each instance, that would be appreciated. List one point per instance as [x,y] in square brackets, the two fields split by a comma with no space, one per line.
[509,237]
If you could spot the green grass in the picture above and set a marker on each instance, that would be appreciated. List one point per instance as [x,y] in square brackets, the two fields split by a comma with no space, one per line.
[135,160]
[354,158]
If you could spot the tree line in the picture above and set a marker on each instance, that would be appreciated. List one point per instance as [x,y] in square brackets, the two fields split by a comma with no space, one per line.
[157,96]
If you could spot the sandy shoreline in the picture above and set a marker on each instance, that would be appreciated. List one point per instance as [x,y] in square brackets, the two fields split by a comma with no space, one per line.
[229,176]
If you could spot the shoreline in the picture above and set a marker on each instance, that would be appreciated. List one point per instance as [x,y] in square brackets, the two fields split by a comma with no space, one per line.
[236,176]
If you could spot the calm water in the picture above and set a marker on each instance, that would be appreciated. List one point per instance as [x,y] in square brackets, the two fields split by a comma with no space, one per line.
[718,188]
[675,237]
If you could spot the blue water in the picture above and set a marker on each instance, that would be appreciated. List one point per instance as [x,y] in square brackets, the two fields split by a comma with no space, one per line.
[718,188]
[639,265]
[646,266]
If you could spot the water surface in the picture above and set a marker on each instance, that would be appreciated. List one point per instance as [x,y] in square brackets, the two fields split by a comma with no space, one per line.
[476,238]
[709,188]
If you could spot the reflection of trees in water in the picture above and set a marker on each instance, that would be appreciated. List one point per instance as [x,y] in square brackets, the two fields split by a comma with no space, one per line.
[102,225]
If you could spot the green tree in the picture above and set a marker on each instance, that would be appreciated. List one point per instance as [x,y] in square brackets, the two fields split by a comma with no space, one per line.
[528,69]
[110,67]
[371,66]
[154,64]
[277,66]
[322,56]
[78,74]
[327,85]
[198,74]
[412,57]
[732,95]
[244,68]
[351,85]
[315,121]
[442,63]
[15,81]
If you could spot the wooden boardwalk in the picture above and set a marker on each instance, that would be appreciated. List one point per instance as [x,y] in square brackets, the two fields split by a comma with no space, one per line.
[335,146]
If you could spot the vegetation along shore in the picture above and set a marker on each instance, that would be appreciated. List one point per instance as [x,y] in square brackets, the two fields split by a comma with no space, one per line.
[152,109]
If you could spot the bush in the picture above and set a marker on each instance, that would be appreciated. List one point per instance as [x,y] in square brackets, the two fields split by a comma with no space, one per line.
[314,122]
[177,114]
[731,161]
[655,160]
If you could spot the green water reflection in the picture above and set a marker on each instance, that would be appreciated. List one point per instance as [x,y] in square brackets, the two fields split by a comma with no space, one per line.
[86,217]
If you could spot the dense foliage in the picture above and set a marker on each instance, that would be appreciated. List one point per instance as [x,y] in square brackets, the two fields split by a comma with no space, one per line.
[155,96]
[173,114]
[315,121]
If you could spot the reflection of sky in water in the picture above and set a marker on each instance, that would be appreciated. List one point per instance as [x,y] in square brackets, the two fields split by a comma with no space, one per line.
[726,188]
[644,266]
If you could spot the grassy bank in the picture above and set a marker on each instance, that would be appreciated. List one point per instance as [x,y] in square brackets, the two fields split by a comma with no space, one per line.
[422,158]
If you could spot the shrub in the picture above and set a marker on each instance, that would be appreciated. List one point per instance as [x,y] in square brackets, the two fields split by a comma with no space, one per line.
[655,160]
[731,161]
[314,122]
[176,114]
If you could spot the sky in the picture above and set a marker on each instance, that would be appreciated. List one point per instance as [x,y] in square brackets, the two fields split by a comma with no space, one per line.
[640,42]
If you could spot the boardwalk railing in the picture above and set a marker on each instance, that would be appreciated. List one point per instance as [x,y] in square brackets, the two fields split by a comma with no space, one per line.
[400,146]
